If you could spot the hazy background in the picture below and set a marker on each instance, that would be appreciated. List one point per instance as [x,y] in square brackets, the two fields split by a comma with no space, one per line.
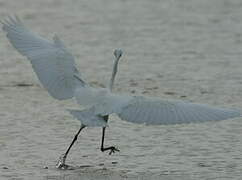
[189,49]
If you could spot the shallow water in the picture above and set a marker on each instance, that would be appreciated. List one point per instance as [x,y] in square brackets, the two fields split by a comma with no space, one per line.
[189,50]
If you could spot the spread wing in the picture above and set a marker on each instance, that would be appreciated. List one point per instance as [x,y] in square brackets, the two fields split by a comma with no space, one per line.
[155,111]
[53,64]
[148,110]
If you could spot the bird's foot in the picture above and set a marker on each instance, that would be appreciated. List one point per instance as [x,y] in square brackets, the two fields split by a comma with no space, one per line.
[61,163]
[111,148]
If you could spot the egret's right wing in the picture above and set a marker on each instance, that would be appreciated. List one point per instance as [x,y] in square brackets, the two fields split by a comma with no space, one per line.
[150,110]
[53,64]
[156,111]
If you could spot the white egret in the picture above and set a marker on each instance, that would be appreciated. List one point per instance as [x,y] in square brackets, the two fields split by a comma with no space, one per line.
[56,70]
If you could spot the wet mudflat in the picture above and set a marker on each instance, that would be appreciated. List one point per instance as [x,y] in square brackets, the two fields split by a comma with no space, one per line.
[189,50]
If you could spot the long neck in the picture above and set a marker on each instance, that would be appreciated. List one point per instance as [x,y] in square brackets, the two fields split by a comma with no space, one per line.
[115,69]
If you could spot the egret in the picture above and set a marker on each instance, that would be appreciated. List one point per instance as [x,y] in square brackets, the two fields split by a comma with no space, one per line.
[55,68]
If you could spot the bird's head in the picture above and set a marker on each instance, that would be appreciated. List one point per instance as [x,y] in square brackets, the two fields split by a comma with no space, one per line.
[118,53]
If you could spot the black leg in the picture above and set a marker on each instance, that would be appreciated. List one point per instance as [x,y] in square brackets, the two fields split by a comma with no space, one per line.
[61,163]
[111,148]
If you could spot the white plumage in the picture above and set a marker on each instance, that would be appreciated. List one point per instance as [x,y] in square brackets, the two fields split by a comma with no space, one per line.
[156,111]
[150,110]
[53,64]
[88,118]
[55,68]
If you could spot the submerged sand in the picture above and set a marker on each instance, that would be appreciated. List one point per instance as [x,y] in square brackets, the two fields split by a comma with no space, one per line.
[189,50]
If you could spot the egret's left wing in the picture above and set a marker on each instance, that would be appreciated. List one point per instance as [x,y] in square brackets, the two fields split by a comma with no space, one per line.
[53,64]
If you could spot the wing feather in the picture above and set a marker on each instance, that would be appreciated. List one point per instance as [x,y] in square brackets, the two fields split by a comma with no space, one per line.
[53,64]
[155,111]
